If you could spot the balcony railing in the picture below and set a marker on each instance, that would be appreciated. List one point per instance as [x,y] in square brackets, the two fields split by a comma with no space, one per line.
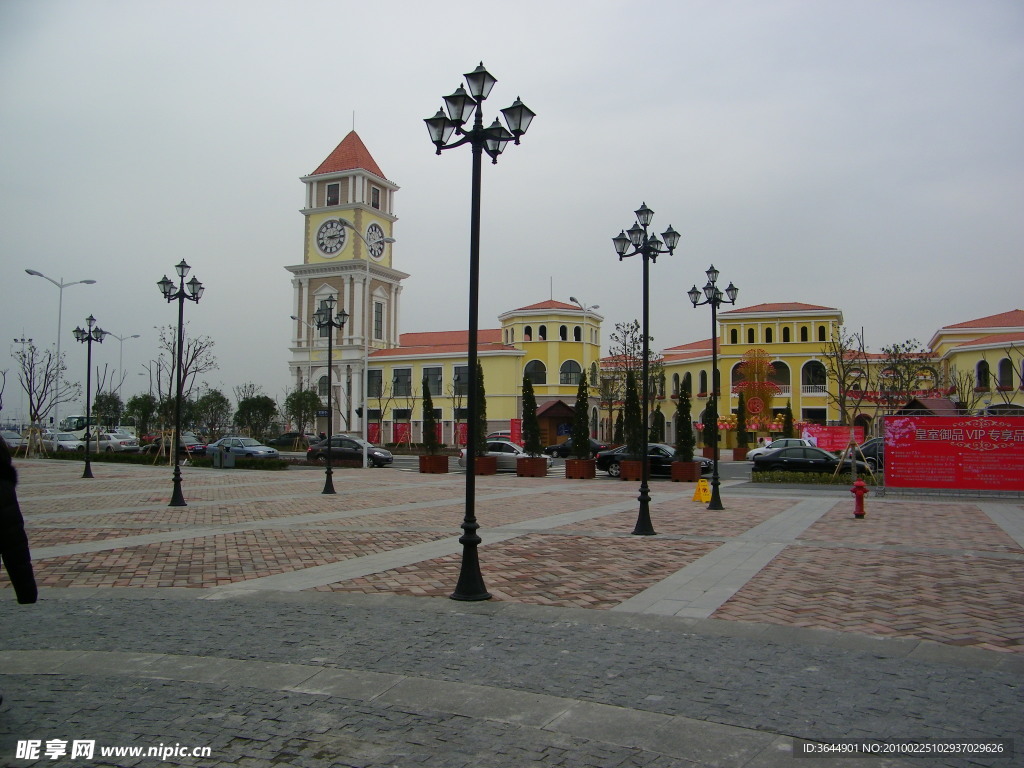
[813,389]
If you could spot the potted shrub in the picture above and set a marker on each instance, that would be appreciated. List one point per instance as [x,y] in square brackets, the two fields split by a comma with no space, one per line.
[432,462]
[536,463]
[684,468]
[633,432]
[483,464]
[739,453]
[581,466]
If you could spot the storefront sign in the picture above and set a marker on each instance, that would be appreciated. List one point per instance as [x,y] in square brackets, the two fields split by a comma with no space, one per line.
[970,452]
[832,438]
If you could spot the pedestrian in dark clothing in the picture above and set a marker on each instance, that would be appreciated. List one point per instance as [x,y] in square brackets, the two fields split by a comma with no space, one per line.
[13,541]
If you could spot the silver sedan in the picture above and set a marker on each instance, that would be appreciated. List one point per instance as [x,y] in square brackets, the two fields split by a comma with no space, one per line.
[506,453]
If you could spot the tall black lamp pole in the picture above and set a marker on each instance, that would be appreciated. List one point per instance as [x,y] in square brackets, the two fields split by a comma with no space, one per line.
[714,297]
[192,291]
[649,247]
[325,317]
[461,105]
[87,336]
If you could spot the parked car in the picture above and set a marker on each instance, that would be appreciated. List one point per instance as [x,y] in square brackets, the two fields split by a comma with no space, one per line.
[802,458]
[873,452]
[111,442]
[293,439]
[12,438]
[62,441]
[243,446]
[348,448]
[507,454]
[659,456]
[563,450]
[502,434]
[186,445]
[774,445]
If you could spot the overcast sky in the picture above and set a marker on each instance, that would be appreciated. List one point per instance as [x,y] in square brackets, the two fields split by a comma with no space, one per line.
[855,154]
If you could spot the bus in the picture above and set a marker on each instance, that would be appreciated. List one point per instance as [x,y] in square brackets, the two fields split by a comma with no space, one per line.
[77,425]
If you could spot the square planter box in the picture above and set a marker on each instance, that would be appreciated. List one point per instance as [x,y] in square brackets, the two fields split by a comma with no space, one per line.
[533,466]
[708,452]
[485,465]
[631,469]
[685,471]
[740,454]
[580,469]
[434,465]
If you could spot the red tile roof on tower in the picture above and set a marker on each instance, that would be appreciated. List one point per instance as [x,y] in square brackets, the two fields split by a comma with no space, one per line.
[550,304]
[792,306]
[1012,319]
[351,154]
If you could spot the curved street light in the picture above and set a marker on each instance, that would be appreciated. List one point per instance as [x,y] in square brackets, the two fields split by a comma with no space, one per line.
[649,247]
[461,106]
[715,298]
[326,318]
[87,336]
[193,291]
[61,285]
[120,355]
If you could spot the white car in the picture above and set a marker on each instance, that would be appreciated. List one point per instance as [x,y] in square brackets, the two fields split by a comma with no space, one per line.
[506,453]
[111,442]
[782,442]
[12,438]
[62,441]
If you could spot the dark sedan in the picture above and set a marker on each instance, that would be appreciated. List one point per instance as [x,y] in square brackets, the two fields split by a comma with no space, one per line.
[564,450]
[803,459]
[659,456]
[873,452]
[344,448]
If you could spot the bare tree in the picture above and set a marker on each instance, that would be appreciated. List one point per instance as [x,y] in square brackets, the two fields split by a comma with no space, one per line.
[197,359]
[37,374]
[846,361]
[626,354]
[903,374]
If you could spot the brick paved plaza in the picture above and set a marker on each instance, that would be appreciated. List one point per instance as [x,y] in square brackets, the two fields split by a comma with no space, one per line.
[925,588]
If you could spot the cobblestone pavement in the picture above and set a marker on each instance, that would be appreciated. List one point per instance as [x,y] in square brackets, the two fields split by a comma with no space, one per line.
[278,626]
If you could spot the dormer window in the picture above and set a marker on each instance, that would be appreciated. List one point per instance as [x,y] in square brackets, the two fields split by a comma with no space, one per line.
[333,194]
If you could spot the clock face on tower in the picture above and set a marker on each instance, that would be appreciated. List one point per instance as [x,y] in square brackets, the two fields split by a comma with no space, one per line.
[375,240]
[330,238]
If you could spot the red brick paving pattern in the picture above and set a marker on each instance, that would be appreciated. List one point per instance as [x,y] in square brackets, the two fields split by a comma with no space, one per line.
[948,599]
[543,569]
[55,537]
[215,560]
[941,526]
[688,518]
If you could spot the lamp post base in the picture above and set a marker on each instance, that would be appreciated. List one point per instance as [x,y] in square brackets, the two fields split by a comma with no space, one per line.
[716,498]
[328,481]
[177,498]
[88,469]
[644,526]
[470,586]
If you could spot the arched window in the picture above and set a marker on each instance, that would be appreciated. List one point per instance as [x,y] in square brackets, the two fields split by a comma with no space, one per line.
[675,383]
[563,333]
[803,333]
[780,376]
[321,386]
[577,333]
[569,373]
[814,375]
[542,333]
[767,335]
[593,374]
[687,383]
[703,389]
[984,375]
[785,335]
[1005,373]
[537,372]
[750,335]
[734,336]
[821,333]
[528,333]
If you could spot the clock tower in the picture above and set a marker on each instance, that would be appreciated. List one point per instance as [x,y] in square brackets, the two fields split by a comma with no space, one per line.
[348,226]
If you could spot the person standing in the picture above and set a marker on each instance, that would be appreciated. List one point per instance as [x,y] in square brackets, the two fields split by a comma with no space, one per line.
[14,550]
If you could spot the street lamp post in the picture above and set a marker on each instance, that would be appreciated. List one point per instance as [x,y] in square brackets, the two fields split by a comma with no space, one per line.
[649,247]
[193,291]
[714,297]
[120,356]
[326,318]
[87,336]
[461,106]
[61,285]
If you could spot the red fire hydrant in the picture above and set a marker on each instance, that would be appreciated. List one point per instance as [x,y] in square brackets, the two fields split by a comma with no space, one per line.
[859,491]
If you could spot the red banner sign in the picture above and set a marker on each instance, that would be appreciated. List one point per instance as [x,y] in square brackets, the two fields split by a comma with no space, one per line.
[970,452]
[373,432]
[461,433]
[832,438]
[400,432]
[515,428]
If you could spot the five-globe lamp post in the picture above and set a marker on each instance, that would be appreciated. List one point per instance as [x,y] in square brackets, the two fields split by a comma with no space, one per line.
[87,336]
[649,247]
[325,317]
[193,291]
[714,296]
[461,106]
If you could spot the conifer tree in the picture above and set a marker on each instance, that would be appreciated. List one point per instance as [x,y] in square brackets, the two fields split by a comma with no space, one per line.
[430,444]
[633,425]
[531,427]
[581,422]
[685,441]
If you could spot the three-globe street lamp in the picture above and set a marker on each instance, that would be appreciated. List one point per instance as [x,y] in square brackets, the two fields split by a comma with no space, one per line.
[193,291]
[326,318]
[87,336]
[61,285]
[714,297]
[461,105]
[649,247]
